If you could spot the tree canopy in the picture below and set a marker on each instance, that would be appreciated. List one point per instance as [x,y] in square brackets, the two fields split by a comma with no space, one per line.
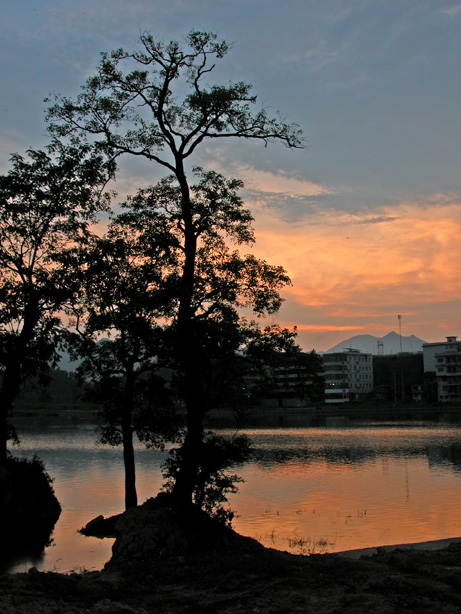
[158,103]
[115,332]
[46,202]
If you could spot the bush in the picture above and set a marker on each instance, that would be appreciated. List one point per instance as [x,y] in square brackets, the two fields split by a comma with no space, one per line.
[213,482]
[28,506]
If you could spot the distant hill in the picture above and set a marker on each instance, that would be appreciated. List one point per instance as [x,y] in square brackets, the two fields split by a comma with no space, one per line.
[369,344]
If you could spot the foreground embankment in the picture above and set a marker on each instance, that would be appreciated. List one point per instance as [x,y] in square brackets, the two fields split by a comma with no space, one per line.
[166,562]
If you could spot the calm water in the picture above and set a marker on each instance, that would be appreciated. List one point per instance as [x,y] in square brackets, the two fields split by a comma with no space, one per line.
[306,490]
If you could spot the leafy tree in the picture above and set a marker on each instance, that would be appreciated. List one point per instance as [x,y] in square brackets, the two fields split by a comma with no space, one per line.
[46,203]
[394,376]
[156,103]
[213,484]
[120,299]
[272,365]
[227,284]
[292,374]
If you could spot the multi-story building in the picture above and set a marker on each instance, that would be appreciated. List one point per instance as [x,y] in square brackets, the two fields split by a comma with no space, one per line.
[442,360]
[293,382]
[348,376]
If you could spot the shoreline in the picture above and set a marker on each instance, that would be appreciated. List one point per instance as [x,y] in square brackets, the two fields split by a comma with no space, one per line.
[406,578]
[351,409]
[435,544]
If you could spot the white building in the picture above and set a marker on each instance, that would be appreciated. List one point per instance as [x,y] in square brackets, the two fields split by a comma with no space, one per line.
[443,360]
[348,376]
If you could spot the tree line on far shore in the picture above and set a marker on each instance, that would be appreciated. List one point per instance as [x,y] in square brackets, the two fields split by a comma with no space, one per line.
[62,389]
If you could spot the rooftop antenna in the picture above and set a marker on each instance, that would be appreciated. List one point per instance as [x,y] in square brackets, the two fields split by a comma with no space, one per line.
[400,331]
[380,347]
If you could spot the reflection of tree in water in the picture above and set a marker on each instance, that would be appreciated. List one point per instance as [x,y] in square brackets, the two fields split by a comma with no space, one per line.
[308,456]
[29,510]
[437,455]
[445,455]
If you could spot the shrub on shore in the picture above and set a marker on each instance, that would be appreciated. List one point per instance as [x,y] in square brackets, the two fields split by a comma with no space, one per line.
[29,508]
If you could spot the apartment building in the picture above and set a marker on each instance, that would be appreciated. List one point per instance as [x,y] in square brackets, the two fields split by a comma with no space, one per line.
[348,376]
[442,361]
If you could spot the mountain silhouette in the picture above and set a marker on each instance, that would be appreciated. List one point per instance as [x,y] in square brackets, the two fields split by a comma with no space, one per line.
[369,344]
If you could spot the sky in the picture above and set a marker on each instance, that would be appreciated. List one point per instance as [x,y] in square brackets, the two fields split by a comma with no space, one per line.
[367,218]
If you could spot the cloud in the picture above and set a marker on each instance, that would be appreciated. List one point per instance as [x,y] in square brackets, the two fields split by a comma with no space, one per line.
[279,183]
[353,272]
[451,10]
[327,327]
[293,196]
[263,184]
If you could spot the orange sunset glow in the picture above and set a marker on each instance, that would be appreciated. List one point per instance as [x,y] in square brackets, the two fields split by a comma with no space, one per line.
[230,306]
[352,273]
[366,217]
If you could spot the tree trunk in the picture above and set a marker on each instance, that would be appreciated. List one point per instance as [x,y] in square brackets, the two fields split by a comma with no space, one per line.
[9,390]
[188,355]
[3,431]
[13,374]
[191,450]
[131,497]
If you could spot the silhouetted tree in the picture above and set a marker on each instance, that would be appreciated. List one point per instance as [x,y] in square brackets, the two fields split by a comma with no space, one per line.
[122,295]
[394,376]
[46,202]
[280,370]
[156,103]
[213,483]
[227,284]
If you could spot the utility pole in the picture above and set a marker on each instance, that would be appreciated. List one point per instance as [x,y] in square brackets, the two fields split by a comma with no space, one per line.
[400,331]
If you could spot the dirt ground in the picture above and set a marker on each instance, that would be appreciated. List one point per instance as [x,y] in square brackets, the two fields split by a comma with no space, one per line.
[401,581]
[159,569]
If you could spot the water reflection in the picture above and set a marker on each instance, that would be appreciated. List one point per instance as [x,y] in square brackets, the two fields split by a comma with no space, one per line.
[306,489]
[436,454]
[351,488]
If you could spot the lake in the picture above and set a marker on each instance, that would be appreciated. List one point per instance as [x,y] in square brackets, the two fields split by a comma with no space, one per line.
[307,489]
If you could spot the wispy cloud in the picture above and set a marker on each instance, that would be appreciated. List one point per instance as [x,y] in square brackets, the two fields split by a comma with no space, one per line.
[356,272]
[278,182]
[452,10]
[328,328]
